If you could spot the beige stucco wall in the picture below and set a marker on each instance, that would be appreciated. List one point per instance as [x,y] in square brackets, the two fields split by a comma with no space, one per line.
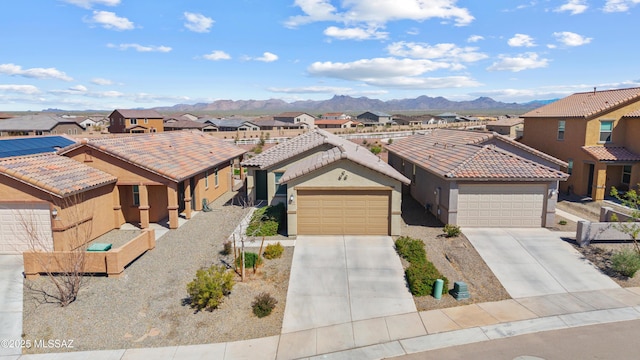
[357,177]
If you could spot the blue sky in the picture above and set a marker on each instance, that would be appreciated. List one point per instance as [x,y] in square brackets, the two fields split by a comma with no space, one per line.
[106,54]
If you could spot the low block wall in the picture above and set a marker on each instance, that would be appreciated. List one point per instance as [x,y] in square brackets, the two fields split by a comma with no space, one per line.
[607,212]
[598,231]
[110,262]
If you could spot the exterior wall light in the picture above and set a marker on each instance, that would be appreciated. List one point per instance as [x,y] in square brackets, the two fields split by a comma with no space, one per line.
[54,213]
[291,199]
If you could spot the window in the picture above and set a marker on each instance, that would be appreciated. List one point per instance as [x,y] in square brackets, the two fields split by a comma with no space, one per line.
[133,121]
[281,189]
[569,166]
[626,174]
[561,125]
[136,195]
[146,121]
[215,177]
[206,179]
[606,127]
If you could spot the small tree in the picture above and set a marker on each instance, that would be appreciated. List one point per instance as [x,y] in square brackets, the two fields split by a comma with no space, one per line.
[632,225]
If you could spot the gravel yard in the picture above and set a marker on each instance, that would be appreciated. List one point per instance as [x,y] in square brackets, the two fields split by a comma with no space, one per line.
[145,307]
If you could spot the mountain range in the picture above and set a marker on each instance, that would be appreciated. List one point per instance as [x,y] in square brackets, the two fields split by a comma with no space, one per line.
[345,103]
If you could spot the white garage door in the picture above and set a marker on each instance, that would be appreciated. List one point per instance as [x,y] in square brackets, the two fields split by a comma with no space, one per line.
[14,218]
[504,205]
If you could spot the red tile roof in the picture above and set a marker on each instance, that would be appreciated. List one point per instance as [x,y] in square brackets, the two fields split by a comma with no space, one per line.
[613,153]
[460,154]
[587,104]
[175,155]
[54,174]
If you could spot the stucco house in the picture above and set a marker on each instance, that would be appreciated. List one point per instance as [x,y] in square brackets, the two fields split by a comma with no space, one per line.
[479,179]
[336,124]
[300,118]
[329,186]
[596,133]
[135,121]
[160,175]
[41,124]
[508,126]
[374,118]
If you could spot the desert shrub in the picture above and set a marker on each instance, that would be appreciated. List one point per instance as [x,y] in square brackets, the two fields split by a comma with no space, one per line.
[562,222]
[263,304]
[422,277]
[209,287]
[411,249]
[266,221]
[376,149]
[451,230]
[626,262]
[390,141]
[250,259]
[226,248]
[273,251]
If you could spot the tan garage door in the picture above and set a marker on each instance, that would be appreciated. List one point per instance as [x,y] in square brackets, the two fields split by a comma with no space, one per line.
[348,212]
[14,217]
[515,205]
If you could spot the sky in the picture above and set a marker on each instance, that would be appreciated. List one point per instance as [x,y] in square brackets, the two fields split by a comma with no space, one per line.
[107,54]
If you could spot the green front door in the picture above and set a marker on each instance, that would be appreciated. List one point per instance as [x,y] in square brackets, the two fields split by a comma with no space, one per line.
[261,185]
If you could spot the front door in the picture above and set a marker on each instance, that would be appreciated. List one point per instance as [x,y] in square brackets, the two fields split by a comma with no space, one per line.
[590,179]
[261,185]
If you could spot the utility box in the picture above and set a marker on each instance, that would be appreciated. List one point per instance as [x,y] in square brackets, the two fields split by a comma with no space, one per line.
[460,290]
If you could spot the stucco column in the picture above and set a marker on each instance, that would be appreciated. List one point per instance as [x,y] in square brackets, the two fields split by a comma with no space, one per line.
[118,217]
[172,200]
[144,206]
[188,196]
[600,181]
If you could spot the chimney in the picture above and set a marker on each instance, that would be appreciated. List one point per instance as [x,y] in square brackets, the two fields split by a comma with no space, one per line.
[594,90]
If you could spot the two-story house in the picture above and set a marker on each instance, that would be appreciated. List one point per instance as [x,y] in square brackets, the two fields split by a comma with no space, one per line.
[596,133]
[299,118]
[135,121]
[374,118]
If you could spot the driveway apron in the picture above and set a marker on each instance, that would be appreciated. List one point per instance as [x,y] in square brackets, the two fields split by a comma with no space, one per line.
[340,279]
[11,302]
[533,262]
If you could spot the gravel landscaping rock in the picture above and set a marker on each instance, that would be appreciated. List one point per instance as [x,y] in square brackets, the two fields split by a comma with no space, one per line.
[147,306]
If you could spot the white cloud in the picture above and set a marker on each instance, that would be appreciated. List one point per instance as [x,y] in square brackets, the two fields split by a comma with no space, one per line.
[521,40]
[79,88]
[198,22]
[141,48]
[619,5]
[109,20]
[438,51]
[571,39]
[475,38]
[37,73]
[574,7]
[379,12]
[354,33]
[22,89]
[217,55]
[101,81]
[518,63]
[267,57]
[446,82]
[88,4]
[312,90]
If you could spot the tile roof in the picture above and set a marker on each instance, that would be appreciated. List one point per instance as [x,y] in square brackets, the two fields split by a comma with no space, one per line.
[332,121]
[175,155]
[339,149]
[43,122]
[611,153]
[183,124]
[633,114]
[291,114]
[33,145]
[54,174]
[460,154]
[586,104]
[138,113]
[506,122]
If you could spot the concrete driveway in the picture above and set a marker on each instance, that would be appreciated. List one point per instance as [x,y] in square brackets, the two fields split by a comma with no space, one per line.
[10,302]
[534,262]
[340,279]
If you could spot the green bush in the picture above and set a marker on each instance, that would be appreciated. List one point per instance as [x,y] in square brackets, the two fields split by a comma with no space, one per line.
[626,262]
[266,221]
[411,249]
[263,304]
[209,287]
[451,230]
[273,251]
[376,149]
[562,222]
[250,259]
[422,277]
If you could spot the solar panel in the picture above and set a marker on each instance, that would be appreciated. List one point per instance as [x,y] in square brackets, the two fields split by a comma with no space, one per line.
[32,145]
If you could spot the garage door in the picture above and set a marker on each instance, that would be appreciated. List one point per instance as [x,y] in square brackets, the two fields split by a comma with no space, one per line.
[13,238]
[347,212]
[501,205]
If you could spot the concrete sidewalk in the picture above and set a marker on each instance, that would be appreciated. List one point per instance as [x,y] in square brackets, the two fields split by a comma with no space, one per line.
[11,282]
[405,333]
